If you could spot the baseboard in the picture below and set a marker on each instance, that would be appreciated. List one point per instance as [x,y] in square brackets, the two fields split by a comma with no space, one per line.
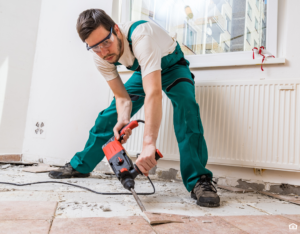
[11,158]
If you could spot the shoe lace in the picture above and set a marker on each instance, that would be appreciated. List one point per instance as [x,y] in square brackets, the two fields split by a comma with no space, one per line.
[207,184]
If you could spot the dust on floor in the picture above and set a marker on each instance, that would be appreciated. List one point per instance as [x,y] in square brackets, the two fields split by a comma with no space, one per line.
[170,197]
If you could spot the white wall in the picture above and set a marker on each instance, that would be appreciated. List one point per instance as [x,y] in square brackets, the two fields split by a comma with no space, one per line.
[67,91]
[18,25]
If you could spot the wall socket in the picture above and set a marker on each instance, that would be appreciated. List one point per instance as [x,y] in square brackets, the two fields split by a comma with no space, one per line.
[39,129]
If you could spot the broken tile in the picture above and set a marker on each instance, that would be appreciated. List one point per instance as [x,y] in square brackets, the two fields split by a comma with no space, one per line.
[197,224]
[40,168]
[27,210]
[25,226]
[234,189]
[131,224]
[293,217]
[291,199]
[268,224]
[159,218]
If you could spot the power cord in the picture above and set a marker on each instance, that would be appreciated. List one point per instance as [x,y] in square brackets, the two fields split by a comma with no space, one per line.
[78,186]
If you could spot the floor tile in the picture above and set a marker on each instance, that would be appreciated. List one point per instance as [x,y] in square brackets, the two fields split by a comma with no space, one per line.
[293,217]
[115,225]
[267,224]
[24,226]
[291,199]
[159,218]
[277,208]
[198,224]
[11,210]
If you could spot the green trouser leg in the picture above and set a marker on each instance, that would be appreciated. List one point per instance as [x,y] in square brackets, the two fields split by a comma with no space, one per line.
[187,125]
[86,160]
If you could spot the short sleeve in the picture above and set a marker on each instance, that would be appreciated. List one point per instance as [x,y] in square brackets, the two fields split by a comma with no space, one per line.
[147,53]
[107,70]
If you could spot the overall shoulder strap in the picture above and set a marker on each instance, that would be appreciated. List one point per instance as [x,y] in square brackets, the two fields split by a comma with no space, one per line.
[131,29]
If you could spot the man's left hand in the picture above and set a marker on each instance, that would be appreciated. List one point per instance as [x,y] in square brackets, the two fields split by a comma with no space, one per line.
[146,161]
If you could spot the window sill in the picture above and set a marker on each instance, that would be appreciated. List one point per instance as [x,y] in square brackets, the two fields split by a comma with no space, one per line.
[228,63]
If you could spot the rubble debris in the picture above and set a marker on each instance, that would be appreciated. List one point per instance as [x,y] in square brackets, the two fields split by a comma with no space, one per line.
[235,189]
[40,168]
[5,166]
[105,208]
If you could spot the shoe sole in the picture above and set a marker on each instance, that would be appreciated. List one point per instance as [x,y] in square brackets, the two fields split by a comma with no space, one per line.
[193,195]
[208,204]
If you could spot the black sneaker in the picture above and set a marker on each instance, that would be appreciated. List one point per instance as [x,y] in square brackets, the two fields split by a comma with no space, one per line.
[65,172]
[205,192]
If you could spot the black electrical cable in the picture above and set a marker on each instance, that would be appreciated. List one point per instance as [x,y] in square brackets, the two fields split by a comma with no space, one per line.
[78,186]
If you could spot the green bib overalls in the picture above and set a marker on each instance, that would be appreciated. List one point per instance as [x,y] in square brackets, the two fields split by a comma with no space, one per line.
[178,85]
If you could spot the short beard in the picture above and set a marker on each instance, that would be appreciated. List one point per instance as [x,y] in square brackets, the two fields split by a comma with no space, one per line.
[119,52]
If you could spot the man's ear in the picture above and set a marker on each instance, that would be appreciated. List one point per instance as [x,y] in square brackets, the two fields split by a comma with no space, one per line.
[117,29]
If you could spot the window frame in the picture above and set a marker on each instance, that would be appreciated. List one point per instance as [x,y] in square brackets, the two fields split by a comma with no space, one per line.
[249,13]
[186,27]
[231,58]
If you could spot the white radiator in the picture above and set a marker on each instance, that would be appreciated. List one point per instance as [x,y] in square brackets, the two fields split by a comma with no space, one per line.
[247,124]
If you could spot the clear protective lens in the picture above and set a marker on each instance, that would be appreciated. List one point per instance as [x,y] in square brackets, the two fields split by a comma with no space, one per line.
[107,43]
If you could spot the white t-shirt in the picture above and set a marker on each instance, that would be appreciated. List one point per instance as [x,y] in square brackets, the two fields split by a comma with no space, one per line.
[149,44]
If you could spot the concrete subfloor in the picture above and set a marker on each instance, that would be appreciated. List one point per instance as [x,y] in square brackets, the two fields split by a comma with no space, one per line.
[170,197]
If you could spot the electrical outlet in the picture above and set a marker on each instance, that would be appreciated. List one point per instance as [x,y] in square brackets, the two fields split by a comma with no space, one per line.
[39,129]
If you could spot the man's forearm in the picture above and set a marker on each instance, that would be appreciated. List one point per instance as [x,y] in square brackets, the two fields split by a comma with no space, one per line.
[124,107]
[153,115]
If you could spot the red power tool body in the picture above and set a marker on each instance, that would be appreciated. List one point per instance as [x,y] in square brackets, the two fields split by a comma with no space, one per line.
[119,161]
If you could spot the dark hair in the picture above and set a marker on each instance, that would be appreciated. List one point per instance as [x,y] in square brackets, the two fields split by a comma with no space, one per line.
[91,19]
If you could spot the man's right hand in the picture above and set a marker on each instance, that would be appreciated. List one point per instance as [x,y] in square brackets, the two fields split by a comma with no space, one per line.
[117,129]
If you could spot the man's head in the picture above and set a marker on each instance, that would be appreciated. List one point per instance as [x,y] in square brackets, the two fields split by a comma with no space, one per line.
[94,26]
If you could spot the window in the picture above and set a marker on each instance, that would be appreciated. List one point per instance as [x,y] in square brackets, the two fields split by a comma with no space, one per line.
[202,27]
[249,11]
[248,36]
[189,37]
[230,2]
[228,23]
[257,4]
[226,48]
[256,24]
[157,14]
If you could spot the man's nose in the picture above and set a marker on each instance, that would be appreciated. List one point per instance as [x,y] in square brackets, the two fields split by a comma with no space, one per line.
[104,52]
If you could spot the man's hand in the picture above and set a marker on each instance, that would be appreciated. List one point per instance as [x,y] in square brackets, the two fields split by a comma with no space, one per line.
[117,129]
[146,161]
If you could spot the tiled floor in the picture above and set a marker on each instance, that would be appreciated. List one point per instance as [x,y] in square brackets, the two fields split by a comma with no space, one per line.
[26,217]
[37,217]
[30,209]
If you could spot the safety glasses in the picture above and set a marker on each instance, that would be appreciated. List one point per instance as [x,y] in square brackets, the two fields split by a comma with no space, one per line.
[105,43]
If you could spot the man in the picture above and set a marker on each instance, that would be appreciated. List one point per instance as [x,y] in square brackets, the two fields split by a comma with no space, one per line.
[158,64]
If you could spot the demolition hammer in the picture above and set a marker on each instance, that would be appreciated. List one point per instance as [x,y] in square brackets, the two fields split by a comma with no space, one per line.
[120,162]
